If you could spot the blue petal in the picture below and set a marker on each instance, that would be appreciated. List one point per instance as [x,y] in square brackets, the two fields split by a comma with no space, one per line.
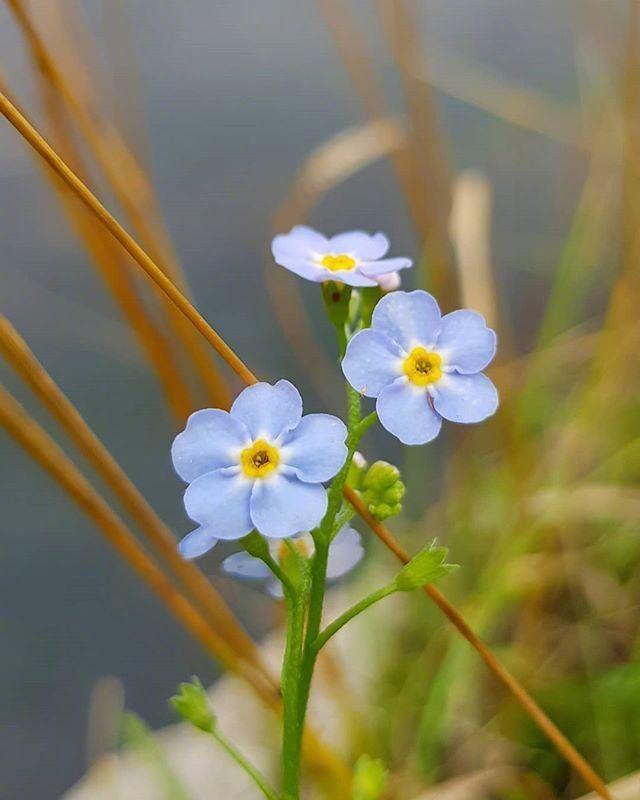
[211,440]
[242,565]
[360,245]
[267,410]
[409,318]
[465,342]
[220,500]
[274,588]
[197,543]
[345,552]
[301,242]
[315,449]
[465,398]
[305,269]
[352,277]
[371,362]
[283,505]
[405,411]
[386,265]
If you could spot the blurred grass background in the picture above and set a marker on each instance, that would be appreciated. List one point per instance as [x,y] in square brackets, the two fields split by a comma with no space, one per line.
[227,101]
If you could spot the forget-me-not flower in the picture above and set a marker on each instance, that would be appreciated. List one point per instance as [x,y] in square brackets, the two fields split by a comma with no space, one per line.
[421,366]
[345,551]
[260,465]
[355,257]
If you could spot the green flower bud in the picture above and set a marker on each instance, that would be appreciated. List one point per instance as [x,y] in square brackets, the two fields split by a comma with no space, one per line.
[336,298]
[383,490]
[429,565]
[192,703]
[369,778]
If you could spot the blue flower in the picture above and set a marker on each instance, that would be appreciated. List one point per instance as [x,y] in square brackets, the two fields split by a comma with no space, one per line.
[345,552]
[355,257]
[260,466]
[422,367]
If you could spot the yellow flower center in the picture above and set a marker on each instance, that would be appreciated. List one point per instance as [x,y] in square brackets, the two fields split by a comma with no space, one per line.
[259,459]
[339,262]
[422,367]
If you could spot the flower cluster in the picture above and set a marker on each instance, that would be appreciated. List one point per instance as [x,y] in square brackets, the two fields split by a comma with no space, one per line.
[262,465]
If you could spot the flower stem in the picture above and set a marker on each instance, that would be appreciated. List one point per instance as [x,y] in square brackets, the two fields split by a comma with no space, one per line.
[349,614]
[257,777]
[293,720]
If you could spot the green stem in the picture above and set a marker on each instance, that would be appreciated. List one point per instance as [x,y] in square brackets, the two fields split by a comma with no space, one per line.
[350,613]
[292,718]
[257,777]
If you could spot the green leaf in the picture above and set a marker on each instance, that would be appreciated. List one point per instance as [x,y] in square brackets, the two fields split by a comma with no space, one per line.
[369,778]
[429,565]
[192,703]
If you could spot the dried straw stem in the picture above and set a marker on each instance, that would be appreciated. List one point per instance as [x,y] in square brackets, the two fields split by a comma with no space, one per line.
[51,457]
[147,264]
[212,606]
[132,190]
[555,735]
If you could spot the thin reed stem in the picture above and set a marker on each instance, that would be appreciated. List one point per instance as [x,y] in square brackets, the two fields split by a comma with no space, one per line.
[51,457]
[555,735]
[131,187]
[147,264]
[220,617]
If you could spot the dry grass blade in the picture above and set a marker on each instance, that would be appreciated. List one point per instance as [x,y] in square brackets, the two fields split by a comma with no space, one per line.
[582,767]
[212,606]
[131,187]
[49,455]
[147,264]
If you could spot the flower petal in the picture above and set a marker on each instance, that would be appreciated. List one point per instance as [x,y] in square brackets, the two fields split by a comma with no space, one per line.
[274,588]
[405,411]
[197,543]
[383,267]
[360,245]
[465,341]
[210,440]
[301,242]
[242,565]
[352,277]
[409,318]
[267,410]
[371,362]
[465,398]
[316,448]
[345,552]
[283,505]
[220,500]
[305,269]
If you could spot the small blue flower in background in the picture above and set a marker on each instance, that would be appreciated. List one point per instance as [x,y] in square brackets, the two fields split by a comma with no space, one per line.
[345,552]
[422,367]
[260,466]
[355,258]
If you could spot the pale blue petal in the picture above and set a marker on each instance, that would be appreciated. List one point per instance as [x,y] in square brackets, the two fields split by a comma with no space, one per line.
[465,398]
[220,501]
[405,411]
[386,265]
[242,565]
[352,277]
[274,588]
[359,245]
[315,449]
[268,411]
[409,318]
[282,506]
[371,362]
[197,543]
[211,439]
[465,342]
[305,269]
[345,552]
[301,241]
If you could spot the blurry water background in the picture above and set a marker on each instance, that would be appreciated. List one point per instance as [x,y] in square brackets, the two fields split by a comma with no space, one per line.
[236,94]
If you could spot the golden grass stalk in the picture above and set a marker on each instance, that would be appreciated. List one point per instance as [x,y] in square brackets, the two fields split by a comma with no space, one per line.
[116,274]
[52,458]
[23,126]
[220,618]
[401,23]
[131,188]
